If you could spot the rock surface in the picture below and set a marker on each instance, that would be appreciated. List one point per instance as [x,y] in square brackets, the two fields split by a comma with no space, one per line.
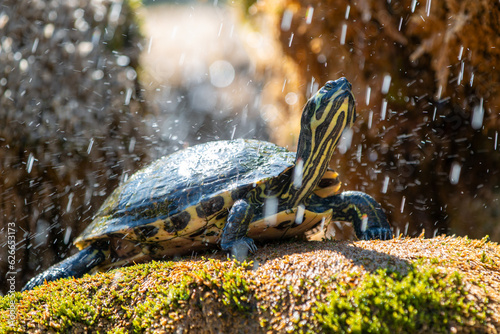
[287,287]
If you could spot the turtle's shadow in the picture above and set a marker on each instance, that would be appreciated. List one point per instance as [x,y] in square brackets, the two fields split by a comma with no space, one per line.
[370,260]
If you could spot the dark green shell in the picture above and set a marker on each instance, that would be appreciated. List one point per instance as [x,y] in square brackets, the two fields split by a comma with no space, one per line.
[202,176]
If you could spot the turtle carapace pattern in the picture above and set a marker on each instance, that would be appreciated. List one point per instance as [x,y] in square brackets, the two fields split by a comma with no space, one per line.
[228,194]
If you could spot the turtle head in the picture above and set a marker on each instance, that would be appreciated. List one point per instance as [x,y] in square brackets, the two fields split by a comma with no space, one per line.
[328,113]
[325,116]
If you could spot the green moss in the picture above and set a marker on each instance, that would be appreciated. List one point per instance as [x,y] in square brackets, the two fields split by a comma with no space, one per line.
[168,299]
[423,300]
[117,331]
[223,284]
[233,286]
[169,295]
[137,294]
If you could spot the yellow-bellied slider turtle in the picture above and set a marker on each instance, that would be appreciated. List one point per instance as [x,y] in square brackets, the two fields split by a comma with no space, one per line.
[228,193]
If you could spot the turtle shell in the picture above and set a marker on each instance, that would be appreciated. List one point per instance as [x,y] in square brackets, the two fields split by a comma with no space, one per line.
[186,194]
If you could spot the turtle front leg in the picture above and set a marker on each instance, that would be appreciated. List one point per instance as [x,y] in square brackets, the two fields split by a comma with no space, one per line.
[234,237]
[366,214]
[74,266]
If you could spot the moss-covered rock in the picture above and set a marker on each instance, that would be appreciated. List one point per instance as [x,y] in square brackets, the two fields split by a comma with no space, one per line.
[402,285]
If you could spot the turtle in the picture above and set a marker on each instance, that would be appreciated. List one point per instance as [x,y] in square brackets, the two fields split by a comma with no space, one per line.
[227,194]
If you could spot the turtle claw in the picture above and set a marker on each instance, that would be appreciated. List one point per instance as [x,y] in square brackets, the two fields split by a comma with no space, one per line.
[381,233]
[239,248]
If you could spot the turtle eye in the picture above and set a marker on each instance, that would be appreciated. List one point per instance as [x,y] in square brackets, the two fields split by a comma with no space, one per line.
[329,85]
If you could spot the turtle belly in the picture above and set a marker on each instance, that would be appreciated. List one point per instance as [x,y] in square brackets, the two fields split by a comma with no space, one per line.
[125,254]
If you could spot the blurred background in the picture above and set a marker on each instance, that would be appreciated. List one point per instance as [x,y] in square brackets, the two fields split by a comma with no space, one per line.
[91,91]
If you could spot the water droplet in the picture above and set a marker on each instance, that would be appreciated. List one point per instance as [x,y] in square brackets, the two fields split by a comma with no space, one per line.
[297,173]
[435,233]
[220,29]
[81,25]
[299,216]
[221,73]
[384,109]
[477,116]
[84,48]
[97,75]
[69,48]
[23,65]
[128,96]
[347,10]
[89,148]
[96,37]
[358,153]
[4,18]
[460,52]
[233,132]
[309,14]
[35,45]
[271,209]
[385,185]
[343,34]
[286,21]
[284,84]
[48,30]
[67,233]
[439,92]
[413,5]
[461,73]
[291,98]
[428,7]
[386,84]
[29,164]
[122,60]
[78,13]
[131,144]
[370,119]
[42,226]
[345,141]
[131,74]
[70,201]
[114,14]
[403,200]
[368,94]
[364,222]
[150,44]
[455,172]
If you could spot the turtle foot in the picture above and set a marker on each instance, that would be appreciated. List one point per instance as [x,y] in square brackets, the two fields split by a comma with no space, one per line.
[381,233]
[74,266]
[239,248]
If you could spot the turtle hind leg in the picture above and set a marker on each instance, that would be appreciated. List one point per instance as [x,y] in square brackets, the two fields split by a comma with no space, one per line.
[74,266]
[366,214]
